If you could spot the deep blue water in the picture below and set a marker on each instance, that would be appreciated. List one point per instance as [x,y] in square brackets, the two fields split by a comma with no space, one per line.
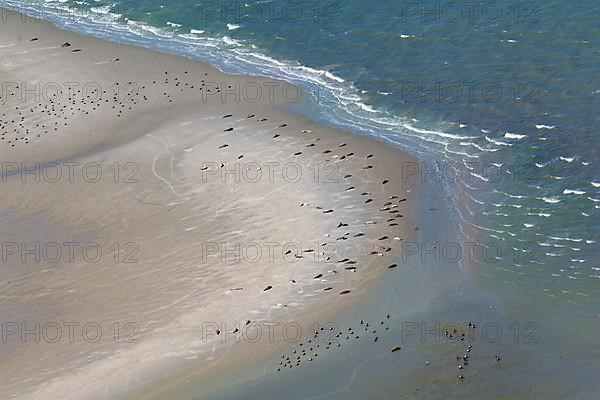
[504,95]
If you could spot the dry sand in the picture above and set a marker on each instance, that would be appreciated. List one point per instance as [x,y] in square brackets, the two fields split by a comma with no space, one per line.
[208,208]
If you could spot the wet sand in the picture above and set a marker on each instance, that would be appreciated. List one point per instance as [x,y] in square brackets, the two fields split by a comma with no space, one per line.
[422,331]
[164,223]
[150,200]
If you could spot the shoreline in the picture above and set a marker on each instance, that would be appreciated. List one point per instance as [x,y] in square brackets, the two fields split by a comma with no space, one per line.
[159,137]
[156,126]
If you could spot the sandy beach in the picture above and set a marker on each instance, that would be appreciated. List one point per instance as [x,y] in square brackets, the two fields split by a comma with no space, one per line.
[170,231]
[153,205]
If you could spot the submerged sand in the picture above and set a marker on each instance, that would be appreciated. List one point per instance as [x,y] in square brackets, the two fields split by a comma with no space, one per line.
[149,200]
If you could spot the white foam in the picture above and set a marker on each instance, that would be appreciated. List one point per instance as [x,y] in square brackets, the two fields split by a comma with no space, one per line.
[233,27]
[545,127]
[478,147]
[438,133]
[550,200]
[101,10]
[135,28]
[231,41]
[545,215]
[512,196]
[544,244]
[367,107]
[497,142]
[515,136]
[573,191]
[334,77]
[565,239]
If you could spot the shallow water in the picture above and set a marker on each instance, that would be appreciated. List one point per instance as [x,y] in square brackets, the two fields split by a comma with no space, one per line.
[422,301]
[500,104]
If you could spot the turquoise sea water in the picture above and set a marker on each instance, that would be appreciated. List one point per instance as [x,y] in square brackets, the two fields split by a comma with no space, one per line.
[501,98]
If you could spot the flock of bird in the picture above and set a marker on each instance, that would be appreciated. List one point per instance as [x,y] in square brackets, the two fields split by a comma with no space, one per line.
[326,339]
[25,124]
